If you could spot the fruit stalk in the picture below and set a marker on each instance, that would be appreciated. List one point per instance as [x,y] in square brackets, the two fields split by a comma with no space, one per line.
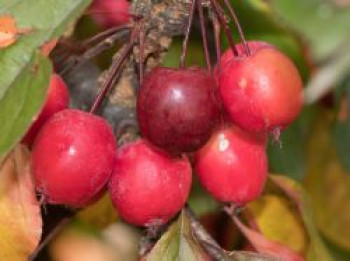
[187,34]
[239,27]
[223,23]
[217,30]
[204,35]
[113,74]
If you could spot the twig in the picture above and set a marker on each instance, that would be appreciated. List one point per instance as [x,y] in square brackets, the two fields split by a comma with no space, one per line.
[96,50]
[113,73]
[142,36]
[101,36]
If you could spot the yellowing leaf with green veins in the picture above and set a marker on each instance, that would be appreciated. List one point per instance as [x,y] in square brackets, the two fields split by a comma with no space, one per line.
[20,218]
[272,213]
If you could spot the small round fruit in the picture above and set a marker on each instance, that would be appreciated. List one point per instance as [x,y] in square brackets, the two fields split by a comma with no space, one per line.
[57,100]
[178,109]
[110,13]
[148,187]
[73,157]
[262,92]
[232,166]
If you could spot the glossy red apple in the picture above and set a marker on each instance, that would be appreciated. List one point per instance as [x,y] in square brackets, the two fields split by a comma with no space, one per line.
[148,187]
[262,92]
[72,158]
[232,166]
[178,109]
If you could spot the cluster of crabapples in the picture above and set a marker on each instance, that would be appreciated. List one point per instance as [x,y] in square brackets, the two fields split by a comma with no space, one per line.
[220,120]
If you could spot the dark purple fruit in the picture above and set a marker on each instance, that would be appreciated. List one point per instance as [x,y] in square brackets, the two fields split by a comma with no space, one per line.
[178,109]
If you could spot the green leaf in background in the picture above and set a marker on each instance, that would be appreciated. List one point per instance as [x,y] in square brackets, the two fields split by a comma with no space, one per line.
[178,244]
[200,201]
[341,130]
[325,27]
[25,72]
[289,157]
[328,183]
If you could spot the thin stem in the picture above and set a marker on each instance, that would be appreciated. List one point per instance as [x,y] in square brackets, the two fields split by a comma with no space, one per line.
[204,35]
[141,51]
[131,15]
[217,30]
[239,27]
[223,23]
[187,34]
[112,75]
[100,36]
[96,50]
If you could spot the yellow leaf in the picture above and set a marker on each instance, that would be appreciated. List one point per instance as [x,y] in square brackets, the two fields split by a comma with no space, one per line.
[272,213]
[20,218]
[99,214]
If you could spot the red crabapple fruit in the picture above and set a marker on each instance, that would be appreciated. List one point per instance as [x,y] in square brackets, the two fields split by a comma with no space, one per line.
[57,100]
[110,13]
[261,92]
[147,186]
[73,157]
[232,166]
[178,109]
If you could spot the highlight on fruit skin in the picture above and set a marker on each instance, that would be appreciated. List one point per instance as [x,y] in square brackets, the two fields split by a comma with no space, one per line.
[178,109]
[148,187]
[72,158]
[232,166]
[261,92]
[57,99]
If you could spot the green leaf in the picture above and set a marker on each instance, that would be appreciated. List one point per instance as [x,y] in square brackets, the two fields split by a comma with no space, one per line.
[177,244]
[25,72]
[200,201]
[323,25]
[317,250]
[289,157]
[22,100]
